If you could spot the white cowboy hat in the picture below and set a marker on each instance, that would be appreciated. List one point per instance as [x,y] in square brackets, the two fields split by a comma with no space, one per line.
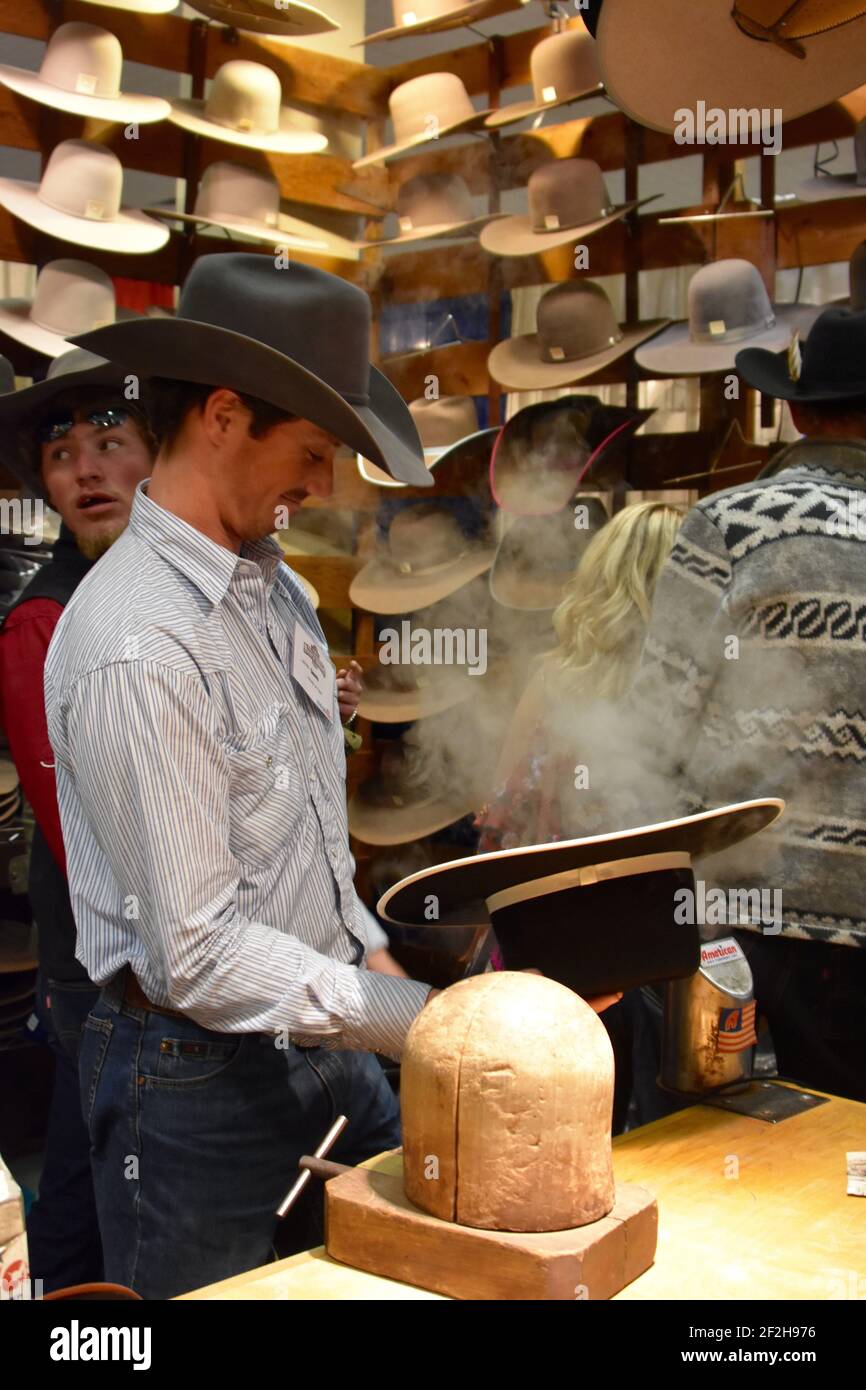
[70,297]
[78,200]
[283,19]
[239,199]
[661,59]
[244,107]
[80,73]
[423,109]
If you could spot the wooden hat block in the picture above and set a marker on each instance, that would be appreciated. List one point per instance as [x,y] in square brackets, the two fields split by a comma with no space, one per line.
[506,1189]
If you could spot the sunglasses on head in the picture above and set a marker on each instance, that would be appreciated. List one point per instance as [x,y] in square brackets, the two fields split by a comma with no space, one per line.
[52,430]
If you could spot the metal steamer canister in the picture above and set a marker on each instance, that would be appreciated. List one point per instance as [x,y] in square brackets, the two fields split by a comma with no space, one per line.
[709,1023]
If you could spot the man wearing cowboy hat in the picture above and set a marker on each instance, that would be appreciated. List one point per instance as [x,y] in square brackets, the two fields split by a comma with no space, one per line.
[200,773]
[82,449]
[753,678]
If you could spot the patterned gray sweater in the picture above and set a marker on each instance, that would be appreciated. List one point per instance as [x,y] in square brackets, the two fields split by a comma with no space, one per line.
[753,682]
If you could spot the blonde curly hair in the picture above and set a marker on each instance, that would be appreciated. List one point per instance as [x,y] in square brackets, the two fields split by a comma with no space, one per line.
[602,617]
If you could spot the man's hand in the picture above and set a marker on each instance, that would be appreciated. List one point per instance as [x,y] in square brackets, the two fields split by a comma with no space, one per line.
[350,687]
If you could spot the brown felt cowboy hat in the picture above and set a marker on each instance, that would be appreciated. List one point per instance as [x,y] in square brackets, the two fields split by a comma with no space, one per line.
[538,555]
[577,335]
[729,308]
[426,557]
[284,19]
[563,68]
[423,109]
[432,206]
[437,16]
[70,297]
[245,107]
[80,74]
[661,59]
[298,339]
[568,200]
[597,914]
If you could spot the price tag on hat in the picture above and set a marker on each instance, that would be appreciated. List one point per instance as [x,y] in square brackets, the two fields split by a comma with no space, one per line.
[313,670]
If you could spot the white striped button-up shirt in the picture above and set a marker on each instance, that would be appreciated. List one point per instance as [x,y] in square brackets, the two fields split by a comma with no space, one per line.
[202,794]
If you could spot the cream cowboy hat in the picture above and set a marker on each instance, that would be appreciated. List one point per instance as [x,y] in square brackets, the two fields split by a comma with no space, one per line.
[70,297]
[660,59]
[426,557]
[239,199]
[78,200]
[430,206]
[577,335]
[80,73]
[436,16]
[441,425]
[283,19]
[563,68]
[244,107]
[568,200]
[729,309]
[426,108]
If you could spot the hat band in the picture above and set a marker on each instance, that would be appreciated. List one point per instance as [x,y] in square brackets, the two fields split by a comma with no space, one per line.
[585,877]
[244,125]
[732,335]
[419,571]
[551,222]
[95,210]
[557,353]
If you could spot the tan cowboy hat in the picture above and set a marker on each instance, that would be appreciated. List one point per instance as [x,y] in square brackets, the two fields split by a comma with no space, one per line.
[80,73]
[412,794]
[563,68]
[244,107]
[426,108]
[658,60]
[538,554]
[577,335]
[441,424]
[431,206]
[568,200]
[319,531]
[70,297]
[426,557]
[239,199]
[729,309]
[78,200]
[436,16]
[827,184]
[400,694]
[283,19]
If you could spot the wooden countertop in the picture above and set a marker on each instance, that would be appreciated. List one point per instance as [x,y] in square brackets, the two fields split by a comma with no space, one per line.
[747,1210]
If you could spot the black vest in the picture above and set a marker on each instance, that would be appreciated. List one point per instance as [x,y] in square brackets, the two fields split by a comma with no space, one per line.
[48,889]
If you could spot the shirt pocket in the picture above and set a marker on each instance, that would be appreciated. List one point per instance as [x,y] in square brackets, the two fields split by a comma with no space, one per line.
[268,785]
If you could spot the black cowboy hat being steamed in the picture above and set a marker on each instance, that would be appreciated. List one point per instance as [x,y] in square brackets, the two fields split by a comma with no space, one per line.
[829,366]
[297,338]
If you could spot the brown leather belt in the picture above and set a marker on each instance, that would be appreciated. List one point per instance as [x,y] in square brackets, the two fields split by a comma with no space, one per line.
[134,995]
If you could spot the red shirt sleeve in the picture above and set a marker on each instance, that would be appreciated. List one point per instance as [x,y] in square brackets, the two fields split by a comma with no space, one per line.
[24,642]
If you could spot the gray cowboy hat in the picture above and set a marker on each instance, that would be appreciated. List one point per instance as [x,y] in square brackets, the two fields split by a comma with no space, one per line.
[296,338]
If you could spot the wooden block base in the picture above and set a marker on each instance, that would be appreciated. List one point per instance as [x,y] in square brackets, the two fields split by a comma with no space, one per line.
[371,1225]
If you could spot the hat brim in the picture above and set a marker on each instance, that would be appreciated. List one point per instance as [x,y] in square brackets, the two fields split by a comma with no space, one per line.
[514,236]
[298,19]
[820,189]
[518,111]
[640,46]
[141,6]
[466,882]
[380,587]
[15,322]
[256,231]
[516,364]
[472,445]
[440,24]
[131,233]
[383,706]
[202,352]
[673,353]
[440,231]
[375,824]
[188,114]
[123,108]
[768,373]
[464,127]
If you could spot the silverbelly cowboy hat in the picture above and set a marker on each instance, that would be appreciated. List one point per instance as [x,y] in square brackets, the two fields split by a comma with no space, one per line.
[657,60]
[596,914]
[279,18]
[437,16]
[297,338]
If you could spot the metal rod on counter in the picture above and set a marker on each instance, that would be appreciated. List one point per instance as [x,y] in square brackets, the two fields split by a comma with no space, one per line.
[332,1135]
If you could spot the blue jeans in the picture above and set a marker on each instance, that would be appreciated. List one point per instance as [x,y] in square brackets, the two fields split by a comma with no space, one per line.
[196,1136]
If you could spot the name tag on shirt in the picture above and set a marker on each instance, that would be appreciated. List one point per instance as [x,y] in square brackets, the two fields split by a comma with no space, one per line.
[313,670]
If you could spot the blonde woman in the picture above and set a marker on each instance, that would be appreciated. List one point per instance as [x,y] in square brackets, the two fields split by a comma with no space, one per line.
[571,700]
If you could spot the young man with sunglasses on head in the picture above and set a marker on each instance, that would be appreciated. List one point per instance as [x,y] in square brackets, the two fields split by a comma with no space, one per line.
[82,448]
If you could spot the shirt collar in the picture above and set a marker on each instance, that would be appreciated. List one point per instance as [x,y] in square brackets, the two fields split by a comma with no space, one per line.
[207,565]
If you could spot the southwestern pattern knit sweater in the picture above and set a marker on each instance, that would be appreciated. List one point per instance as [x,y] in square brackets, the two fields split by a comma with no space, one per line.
[753,682]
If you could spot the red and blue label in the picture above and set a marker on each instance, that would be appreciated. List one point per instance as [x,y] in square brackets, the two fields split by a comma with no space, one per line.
[737,1028]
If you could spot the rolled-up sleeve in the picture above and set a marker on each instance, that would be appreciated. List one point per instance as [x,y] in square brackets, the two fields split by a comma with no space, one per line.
[144,772]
